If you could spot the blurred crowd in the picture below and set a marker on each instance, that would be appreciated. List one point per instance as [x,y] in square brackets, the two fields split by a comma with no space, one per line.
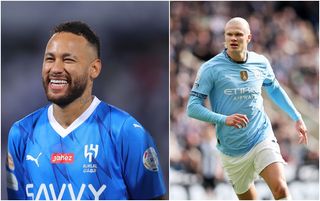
[286,33]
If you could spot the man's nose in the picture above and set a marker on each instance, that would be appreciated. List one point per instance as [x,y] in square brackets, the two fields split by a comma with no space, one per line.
[57,66]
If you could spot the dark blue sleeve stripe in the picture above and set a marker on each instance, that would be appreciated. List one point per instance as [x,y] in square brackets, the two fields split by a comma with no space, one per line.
[199,95]
[267,84]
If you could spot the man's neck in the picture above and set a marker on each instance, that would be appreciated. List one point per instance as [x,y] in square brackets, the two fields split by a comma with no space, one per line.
[67,114]
[238,56]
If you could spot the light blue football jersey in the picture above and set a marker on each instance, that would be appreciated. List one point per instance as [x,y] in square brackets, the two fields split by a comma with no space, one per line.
[104,154]
[236,88]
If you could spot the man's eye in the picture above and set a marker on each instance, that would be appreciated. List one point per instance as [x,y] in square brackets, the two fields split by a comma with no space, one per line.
[49,59]
[68,60]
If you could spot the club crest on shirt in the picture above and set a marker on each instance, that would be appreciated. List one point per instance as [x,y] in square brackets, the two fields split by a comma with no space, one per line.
[90,153]
[150,159]
[257,74]
[244,75]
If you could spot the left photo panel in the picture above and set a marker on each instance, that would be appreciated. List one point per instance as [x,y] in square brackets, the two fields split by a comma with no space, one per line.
[85,100]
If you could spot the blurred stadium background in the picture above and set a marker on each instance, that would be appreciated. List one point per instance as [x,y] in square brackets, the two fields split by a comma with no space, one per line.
[287,34]
[134,40]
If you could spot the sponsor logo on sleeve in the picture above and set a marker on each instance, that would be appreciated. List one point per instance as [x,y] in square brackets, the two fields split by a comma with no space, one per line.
[62,158]
[196,82]
[12,182]
[150,159]
[10,162]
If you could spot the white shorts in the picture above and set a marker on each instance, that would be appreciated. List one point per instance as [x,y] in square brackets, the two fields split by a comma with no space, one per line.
[243,170]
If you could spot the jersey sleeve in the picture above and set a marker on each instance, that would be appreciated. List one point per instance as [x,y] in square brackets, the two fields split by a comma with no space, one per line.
[142,173]
[277,94]
[14,168]
[280,98]
[204,82]
[197,110]
[269,74]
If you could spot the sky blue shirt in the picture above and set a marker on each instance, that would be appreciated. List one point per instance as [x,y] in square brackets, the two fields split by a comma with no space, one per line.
[236,88]
[104,154]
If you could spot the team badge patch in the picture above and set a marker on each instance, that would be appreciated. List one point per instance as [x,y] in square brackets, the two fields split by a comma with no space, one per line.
[10,162]
[150,159]
[244,75]
[257,74]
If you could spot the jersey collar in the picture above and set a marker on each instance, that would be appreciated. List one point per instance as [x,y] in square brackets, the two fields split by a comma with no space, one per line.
[238,62]
[63,132]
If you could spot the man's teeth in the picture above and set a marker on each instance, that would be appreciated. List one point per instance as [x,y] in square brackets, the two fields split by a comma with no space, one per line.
[58,81]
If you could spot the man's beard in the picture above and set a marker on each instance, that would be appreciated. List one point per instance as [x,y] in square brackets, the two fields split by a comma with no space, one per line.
[75,90]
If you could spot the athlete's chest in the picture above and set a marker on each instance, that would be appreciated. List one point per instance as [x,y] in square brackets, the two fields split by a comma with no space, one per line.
[83,147]
[239,82]
[84,161]
[250,75]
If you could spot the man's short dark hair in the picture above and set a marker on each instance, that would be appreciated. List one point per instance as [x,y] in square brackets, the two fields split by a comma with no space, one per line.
[81,29]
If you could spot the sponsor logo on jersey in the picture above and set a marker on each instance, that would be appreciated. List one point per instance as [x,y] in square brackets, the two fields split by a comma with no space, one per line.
[10,162]
[150,159]
[62,158]
[241,91]
[12,182]
[246,93]
[244,75]
[31,158]
[50,193]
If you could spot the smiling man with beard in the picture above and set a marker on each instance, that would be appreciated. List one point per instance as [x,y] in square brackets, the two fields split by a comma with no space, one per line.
[79,147]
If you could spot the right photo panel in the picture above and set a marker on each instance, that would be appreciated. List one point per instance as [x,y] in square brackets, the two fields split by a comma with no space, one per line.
[244,100]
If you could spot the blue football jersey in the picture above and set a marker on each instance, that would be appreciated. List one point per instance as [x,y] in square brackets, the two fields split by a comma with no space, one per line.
[236,88]
[103,154]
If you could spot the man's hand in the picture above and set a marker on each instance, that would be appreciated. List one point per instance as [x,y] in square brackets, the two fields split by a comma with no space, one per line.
[302,132]
[237,120]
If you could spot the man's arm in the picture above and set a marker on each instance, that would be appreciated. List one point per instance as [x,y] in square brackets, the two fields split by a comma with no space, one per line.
[197,110]
[141,167]
[282,100]
[15,172]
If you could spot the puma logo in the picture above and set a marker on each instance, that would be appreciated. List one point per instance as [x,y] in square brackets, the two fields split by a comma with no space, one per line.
[137,126]
[31,158]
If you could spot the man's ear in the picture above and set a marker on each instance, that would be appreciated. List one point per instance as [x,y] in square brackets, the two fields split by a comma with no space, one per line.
[249,38]
[95,69]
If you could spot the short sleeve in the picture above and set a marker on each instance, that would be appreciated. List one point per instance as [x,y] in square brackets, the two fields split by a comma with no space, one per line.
[141,168]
